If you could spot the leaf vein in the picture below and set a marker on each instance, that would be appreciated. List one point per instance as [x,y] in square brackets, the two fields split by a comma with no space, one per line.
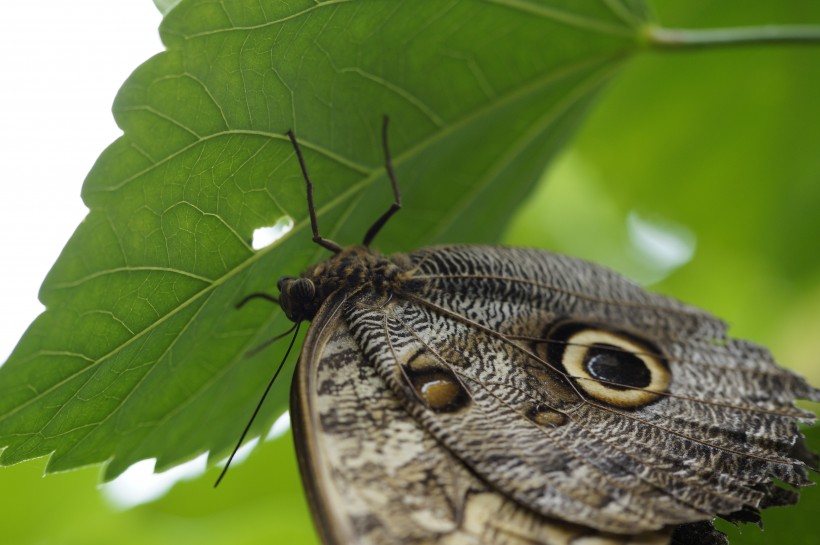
[266,24]
[564,17]
[117,270]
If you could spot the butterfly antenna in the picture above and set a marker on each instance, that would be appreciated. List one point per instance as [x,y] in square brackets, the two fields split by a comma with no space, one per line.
[295,328]
[388,166]
[317,238]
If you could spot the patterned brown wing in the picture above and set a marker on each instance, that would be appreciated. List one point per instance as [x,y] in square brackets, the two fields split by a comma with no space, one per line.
[578,394]
[374,475]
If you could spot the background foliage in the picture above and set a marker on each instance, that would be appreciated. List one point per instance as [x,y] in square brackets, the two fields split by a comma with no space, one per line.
[721,144]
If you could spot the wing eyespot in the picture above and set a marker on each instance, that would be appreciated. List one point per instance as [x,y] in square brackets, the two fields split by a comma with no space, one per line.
[435,385]
[546,416]
[609,365]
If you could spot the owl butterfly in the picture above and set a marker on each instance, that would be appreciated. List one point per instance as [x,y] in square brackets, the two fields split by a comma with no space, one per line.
[491,395]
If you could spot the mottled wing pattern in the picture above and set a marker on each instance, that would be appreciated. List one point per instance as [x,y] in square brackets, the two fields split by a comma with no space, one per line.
[374,476]
[435,414]
[709,444]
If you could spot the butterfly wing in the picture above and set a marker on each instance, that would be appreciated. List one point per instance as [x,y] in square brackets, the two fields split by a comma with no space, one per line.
[514,362]
[373,475]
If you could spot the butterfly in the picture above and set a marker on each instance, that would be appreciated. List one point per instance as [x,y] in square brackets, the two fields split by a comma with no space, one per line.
[494,395]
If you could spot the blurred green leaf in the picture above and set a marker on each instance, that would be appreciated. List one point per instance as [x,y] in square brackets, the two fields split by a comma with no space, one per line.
[140,353]
[260,503]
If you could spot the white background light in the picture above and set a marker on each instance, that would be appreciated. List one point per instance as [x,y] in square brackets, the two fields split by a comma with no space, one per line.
[139,484]
[61,64]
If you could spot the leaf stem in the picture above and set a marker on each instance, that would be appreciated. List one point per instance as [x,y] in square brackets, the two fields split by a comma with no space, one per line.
[684,38]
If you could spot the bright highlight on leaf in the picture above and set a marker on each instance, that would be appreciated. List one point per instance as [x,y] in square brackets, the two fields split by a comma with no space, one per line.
[666,245]
[280,427]
[265,236]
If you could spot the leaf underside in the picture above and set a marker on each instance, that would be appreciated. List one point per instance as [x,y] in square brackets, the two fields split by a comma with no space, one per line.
[140,352]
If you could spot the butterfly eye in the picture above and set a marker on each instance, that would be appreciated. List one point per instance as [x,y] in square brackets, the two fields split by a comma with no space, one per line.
[301,289]
[296,298]
[611,366]
[283,281]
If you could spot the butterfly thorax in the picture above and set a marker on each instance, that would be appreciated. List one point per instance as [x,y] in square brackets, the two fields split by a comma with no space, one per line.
[354,269]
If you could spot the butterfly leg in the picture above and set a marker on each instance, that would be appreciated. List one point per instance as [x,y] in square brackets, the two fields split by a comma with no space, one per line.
[388,165]
[317,238]
[259,295]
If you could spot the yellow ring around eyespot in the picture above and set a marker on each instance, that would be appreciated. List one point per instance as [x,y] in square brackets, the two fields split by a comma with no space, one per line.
[577,346]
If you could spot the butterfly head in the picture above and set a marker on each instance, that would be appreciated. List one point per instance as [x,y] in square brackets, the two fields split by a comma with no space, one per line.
[296,297]
[353,269]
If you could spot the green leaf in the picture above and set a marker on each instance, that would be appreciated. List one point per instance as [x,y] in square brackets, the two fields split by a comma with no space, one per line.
[141,353]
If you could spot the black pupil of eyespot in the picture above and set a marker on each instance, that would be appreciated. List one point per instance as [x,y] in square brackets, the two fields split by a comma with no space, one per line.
[613,365]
